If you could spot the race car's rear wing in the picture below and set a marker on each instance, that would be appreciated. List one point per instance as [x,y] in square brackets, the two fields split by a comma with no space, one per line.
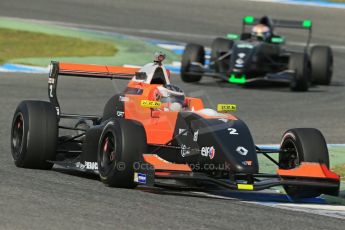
[275,23]
[94,71]
[83,70]
[305,24]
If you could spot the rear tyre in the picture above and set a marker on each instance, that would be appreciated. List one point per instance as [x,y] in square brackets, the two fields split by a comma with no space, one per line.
[321,58]
[34,135]
[219,47]
[302,145]
[120,149]
[109,110]
[192,53]
[301,65]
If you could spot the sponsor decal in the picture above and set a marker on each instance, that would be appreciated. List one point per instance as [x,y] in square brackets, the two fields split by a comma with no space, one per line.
[140,178]
[232,131]
[245,187]
[226,107]
[51,91]
[242,150]
[182,131]
[223,120]
[51,80]
[120,113]
[241,55]
[87,165]
[150,104]
[79,165]
[245,45]
[196,135]
[184,150]
[239,61]
[123,98]
[247,163]
[57,110]
[208,152]
[91,165]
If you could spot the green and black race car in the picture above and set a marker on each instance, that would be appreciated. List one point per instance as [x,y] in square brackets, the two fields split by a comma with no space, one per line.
[261,56]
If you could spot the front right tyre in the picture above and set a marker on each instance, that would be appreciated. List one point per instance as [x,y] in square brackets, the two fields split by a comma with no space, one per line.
[303,145]
[322,64]
[219,47]
[192,53]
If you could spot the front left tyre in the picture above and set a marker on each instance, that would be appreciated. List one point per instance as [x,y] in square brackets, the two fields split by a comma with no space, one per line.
[120,149]
[34,135]
[300,64]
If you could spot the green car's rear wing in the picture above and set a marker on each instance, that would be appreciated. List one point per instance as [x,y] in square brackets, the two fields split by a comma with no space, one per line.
[293,24]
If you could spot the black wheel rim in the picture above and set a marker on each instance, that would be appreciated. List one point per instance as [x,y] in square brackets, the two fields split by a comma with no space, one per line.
[108,153]
[17,134]
[290,157]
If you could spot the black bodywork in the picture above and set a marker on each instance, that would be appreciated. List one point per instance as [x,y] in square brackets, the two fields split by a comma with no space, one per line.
[249,60]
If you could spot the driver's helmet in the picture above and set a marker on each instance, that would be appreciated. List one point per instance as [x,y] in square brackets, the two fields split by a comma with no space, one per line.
[172,97]
[261,32]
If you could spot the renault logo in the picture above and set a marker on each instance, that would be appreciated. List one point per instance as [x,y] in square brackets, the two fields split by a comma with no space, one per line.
[242,150]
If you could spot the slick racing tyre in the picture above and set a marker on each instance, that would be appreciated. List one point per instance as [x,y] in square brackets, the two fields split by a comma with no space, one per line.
[302,145]
[34,135]
[321,58]
[192,53]
[219,47]
[120,149]
[300,64]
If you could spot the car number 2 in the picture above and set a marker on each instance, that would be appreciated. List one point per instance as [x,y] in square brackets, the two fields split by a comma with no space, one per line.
[232,131]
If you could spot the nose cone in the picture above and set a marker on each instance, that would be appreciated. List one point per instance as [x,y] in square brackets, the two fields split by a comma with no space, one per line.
[241,56]
[235,146]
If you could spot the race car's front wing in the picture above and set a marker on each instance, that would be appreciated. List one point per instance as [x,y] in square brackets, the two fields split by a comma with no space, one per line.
[306,175]
[284,77]
[154,171]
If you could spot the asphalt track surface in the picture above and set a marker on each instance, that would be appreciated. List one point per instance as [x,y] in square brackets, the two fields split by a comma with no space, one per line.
[32,199]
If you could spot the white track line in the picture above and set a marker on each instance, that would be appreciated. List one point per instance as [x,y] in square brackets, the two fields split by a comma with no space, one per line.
[335,211]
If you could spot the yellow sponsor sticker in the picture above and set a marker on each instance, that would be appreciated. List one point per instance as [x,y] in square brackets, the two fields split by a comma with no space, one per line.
[226,108]
[245,186]
[150,104]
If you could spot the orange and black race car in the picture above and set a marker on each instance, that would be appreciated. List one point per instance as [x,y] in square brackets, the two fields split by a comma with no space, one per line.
[152,132]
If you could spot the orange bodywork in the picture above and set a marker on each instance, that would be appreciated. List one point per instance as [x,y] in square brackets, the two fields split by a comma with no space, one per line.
[159,130]
[107,70]
[161,164]
[309,169]
[159,123]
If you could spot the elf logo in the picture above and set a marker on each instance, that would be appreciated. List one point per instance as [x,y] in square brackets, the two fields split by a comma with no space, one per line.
[208,152]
